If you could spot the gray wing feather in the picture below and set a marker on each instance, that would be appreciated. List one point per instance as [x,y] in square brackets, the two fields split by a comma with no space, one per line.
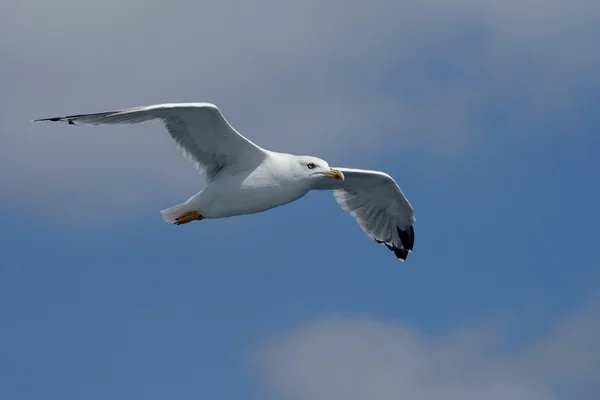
[202,135]
[378,205]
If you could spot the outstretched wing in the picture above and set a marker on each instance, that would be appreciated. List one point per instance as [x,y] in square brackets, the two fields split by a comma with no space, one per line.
[377,203]
[202,134]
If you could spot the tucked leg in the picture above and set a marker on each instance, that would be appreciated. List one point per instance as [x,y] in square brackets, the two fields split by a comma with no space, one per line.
[188,217]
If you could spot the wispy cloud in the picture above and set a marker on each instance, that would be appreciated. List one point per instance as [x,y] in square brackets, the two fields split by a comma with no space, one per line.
[362,358]
[307,77]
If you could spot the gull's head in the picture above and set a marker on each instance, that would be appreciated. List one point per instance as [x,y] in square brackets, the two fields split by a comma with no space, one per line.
[314,169]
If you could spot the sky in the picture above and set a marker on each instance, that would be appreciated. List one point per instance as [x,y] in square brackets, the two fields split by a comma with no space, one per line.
[485,113]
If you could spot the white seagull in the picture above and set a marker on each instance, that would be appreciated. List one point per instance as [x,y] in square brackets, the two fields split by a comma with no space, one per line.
[243,178]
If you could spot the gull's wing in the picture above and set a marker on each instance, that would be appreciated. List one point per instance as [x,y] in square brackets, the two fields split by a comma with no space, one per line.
[377,203]
[202,134]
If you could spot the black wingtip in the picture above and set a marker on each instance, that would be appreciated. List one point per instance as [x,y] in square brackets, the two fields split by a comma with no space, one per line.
[407,237]
[407,242]
[71,118]
[400,252]
[53,119]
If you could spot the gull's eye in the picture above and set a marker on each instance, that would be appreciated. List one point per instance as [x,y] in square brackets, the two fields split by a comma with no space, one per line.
[310,165]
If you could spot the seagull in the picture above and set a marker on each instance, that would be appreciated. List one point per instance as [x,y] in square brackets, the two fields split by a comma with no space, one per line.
[244,178]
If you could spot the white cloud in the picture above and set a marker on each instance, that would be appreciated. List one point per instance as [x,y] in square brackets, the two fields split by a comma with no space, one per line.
[301,76]
[361,358]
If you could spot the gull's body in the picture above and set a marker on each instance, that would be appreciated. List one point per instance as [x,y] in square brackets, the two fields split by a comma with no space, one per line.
[262,189]
[243,178]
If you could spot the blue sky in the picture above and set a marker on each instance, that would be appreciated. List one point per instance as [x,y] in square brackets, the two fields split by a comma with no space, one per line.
[485,115]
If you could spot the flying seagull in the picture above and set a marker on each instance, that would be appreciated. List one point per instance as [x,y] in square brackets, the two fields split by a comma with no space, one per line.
[243,178]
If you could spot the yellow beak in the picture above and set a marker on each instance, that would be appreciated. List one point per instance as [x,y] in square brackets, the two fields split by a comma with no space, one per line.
[335,174]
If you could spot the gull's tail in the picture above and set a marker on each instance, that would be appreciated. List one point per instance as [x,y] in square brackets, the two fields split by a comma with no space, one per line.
[170,214]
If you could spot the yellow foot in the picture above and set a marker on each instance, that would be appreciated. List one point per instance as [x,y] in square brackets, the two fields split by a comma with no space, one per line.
[188,217]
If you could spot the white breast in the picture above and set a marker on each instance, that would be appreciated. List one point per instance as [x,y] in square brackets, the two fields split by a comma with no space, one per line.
[264,188]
